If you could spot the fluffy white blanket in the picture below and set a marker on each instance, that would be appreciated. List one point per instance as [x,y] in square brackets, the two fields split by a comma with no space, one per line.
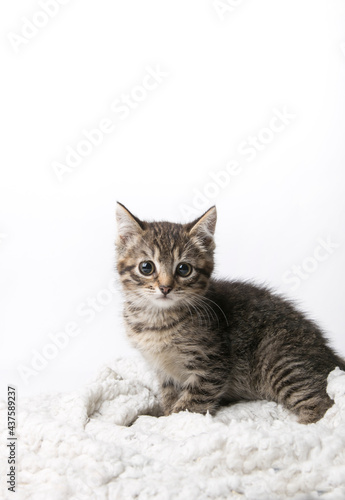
[105,443]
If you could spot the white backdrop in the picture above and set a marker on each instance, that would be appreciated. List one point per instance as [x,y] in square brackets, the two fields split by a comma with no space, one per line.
[169,108]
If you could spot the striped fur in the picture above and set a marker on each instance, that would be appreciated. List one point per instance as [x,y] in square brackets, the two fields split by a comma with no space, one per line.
[215,342]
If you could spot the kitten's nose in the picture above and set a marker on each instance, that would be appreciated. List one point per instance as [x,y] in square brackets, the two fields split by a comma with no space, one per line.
[165,289]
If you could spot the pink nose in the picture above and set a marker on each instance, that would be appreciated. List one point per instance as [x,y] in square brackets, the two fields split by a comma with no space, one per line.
[165,289]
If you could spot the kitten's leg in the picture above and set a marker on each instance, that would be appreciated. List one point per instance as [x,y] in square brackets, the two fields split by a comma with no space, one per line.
[302,391]
[309,406]
[201,397]
[169,395]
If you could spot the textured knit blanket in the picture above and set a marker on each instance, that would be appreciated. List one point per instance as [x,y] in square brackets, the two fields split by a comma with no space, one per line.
[107,442]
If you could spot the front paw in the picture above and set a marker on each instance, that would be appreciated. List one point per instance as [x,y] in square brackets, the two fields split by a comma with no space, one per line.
[167,406]
[167,411]
[194,407]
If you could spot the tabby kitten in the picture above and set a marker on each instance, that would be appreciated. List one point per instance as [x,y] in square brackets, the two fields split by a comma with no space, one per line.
[215,342]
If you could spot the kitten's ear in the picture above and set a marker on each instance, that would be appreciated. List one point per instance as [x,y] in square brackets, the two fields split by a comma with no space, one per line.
[205,225]
[128,224]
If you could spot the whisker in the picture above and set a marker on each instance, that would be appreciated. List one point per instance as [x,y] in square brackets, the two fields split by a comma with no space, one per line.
[197,305]
[197,311]
[215,303]
[208,308]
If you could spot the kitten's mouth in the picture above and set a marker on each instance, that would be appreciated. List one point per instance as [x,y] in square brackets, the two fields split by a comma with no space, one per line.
[164,301]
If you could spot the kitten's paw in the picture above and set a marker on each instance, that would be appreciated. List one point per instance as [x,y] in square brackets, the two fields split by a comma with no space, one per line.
[194,408]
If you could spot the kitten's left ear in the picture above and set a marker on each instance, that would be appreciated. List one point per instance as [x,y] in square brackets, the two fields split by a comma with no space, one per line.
[127,224]
[205,225]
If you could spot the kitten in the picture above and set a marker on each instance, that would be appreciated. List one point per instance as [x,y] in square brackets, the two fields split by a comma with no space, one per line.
[215,342]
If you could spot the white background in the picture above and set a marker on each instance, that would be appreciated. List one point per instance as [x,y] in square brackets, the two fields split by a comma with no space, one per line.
[226,76]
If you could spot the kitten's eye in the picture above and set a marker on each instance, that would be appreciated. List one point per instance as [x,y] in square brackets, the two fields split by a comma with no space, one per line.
[184,269]
[146,267]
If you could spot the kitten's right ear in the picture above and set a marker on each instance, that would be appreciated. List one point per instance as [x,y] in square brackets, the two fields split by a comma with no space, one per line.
[128,224]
